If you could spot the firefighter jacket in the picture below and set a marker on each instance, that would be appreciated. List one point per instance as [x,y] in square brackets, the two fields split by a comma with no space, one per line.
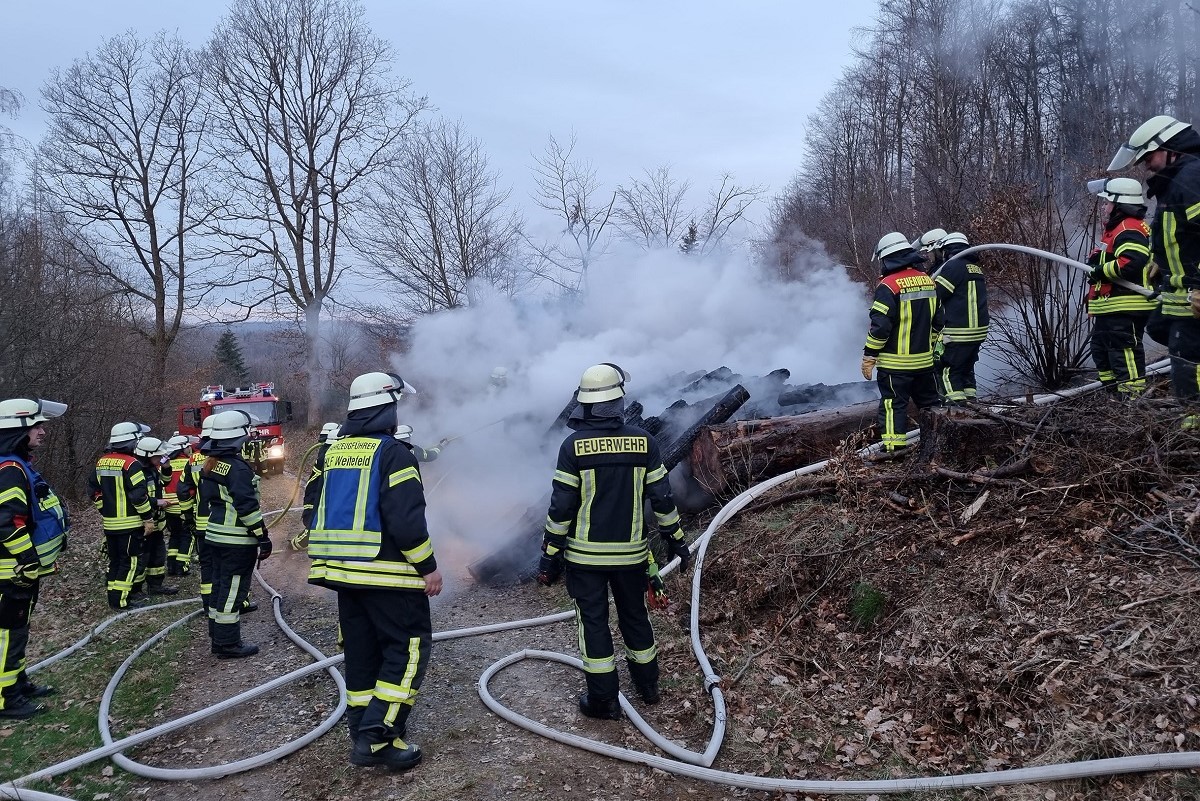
[368,525]
[1124,252]
[904,316]
[156,478]
[962,295]
[1175,233]
[120,491]
[29,510]
[423,454]
[228,489]
[180,485]
[201,506]
[605,474]
[312,490]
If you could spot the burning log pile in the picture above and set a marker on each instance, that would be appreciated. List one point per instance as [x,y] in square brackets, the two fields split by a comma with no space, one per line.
[723,431]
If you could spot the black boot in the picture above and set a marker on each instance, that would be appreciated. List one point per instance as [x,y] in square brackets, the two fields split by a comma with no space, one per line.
[31,690]
[354,715]
[237,650]
[161,589]
[603,710]
[394,754]
[648,693]
[20,707]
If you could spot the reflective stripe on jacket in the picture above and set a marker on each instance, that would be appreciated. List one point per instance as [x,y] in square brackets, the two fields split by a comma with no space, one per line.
[904,315]
[120,492]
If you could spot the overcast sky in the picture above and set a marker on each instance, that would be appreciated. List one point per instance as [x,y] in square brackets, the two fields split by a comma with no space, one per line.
[706,86]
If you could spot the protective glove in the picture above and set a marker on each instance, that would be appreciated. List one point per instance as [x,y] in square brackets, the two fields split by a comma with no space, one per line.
[550,568]
[148,527]
[24,575]
[1093,260]
[939,347]
[1194,301]
[300,541]
[677,547]
[444,441]
[656,591]
[868,366]
[264,548]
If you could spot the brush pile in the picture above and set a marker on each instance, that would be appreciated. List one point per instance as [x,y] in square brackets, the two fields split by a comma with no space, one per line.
[1023,590]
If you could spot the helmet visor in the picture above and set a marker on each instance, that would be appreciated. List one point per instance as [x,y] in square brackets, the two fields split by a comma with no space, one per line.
[1097,186]
[1126,155]
[48,408]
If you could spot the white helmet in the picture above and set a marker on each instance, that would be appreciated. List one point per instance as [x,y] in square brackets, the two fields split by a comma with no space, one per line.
[1150,136]
[601,382]
[403,431]
[889,244]
[1118,190]
[233,424]
[956,238]
[127,432]
[928,240]
[26,413]
[206,427]
[499,373]
[377,389]
[178,442]
[329,432]
[151,446]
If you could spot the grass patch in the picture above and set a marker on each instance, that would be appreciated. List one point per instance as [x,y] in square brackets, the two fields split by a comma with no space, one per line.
[866,604]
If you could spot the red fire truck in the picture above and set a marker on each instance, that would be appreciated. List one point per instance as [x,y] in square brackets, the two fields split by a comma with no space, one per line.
[267,412]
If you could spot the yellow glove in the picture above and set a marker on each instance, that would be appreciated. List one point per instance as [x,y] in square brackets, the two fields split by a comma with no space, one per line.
[148,527]
[300,541]
[868,366]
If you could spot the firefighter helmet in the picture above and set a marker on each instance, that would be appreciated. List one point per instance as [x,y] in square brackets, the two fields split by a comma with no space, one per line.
[151,446]
[602,382]
[928,240]
[233,424]
[127,432]
[178,442]
[328,432]
[1126,191]
[891,244]
[206,427]
[955,238]
[377,389]
[1151,135]
[404,431]
[26,413]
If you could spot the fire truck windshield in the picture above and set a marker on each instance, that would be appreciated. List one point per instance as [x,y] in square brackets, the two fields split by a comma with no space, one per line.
[263,411]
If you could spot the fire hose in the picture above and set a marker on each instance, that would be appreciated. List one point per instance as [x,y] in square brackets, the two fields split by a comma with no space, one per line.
[681,761]
[1045,254]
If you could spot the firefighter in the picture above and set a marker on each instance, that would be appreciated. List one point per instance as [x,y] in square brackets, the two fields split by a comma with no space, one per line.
[180,494]
[236,534]
[1170,151]
[33,526]
[1119,314]
[369,541]
[203,554]
[312,488]
[498,380]
[404,434]
[152,567]
[121,495]
[962,294]
[594,527]
[904,318]
[927,245]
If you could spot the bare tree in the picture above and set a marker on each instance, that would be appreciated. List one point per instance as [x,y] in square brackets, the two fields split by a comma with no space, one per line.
[728,203]
[650,211]
[435,223]
[568,188]
[122,158]
[308,113]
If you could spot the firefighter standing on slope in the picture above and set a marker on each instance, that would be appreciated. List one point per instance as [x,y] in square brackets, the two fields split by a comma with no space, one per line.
[121,495]
[606,471]
[904,318]
[203,554]
[1119,314]
[927,245]
[1170,151]
[404,434]
[180,494]
[369,541]
[236,534]
[33,525]
[152,567]
[962,295]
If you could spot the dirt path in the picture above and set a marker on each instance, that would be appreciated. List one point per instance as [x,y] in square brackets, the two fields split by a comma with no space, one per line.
[469,751]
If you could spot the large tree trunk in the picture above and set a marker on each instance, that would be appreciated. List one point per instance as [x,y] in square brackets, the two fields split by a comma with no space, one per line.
[737,454]
[316,377]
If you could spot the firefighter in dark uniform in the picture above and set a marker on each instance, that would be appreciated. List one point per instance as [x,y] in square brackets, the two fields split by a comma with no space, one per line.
[33,525]
[1119,314]
[236,534]
[1170,150]
[121,495]
[962,295]
[180,494]
[904,318]
[312,488]
[404,434]
[605,474]
[152,567]
[369,542]
[200,521]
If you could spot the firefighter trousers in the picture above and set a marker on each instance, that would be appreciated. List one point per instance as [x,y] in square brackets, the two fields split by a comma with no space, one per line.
[896,389]
[204,557]
[1118,353]
[589,589]
[232,569]
[955,371]
[388,641]
[124,555]
[16,606]
[179,545]
[152,567]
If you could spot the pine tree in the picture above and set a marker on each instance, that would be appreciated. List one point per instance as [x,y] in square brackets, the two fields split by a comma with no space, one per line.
[231,366]
[691,240]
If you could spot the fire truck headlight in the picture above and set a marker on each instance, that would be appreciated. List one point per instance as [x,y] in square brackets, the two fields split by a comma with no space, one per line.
[275,452]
